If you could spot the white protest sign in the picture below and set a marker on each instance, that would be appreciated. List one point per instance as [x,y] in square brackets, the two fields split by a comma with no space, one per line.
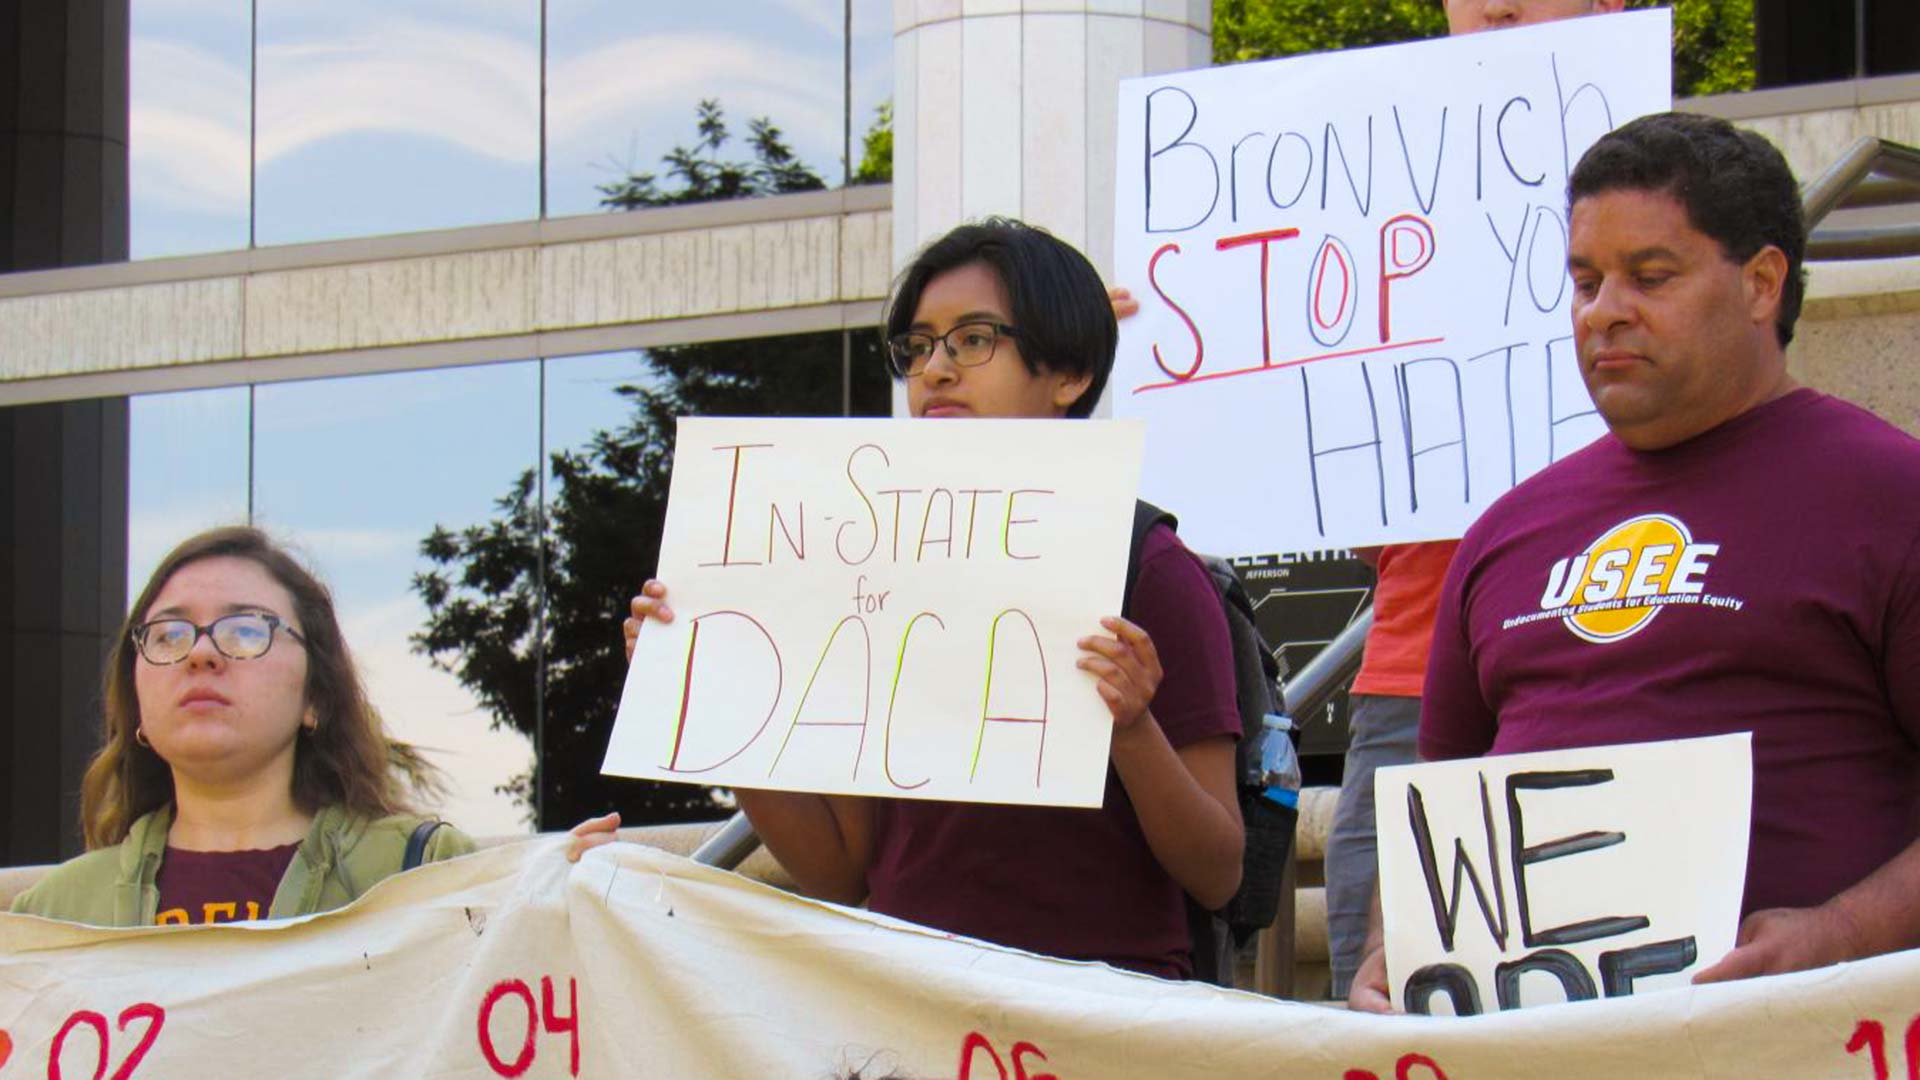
[635,963]
[1354,322]
[884,607]
[1561,876]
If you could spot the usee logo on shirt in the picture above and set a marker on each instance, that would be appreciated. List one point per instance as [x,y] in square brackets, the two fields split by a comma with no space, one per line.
[1614,588]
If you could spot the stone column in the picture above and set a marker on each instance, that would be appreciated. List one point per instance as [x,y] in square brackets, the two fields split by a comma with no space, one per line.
[1007,107]
[63,466]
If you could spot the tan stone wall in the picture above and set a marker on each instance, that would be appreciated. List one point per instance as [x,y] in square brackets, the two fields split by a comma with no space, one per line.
[546,288]
[1868,359]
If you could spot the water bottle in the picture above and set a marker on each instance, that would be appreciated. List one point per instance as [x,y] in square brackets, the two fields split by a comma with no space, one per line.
[1275,766]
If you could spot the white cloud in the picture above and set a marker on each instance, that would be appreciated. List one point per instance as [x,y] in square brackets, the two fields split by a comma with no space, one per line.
[612,86]
[187,126]
[430,709]
[346,545]
[476,89]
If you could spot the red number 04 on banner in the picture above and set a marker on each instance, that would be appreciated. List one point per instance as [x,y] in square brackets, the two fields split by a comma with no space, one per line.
[545,1017]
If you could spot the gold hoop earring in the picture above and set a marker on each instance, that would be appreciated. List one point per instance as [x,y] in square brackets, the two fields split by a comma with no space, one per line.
[140,736]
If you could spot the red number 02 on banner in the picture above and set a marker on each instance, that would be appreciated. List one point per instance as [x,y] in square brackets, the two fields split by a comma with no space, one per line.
[544,1018]
[154,1015]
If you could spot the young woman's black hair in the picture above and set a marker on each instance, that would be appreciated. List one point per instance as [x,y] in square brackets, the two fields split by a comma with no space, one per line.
[1058,304]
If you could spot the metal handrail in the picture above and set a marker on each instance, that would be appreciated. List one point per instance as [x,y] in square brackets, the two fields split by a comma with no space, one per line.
[729,845]
[1872,172]
[1330,670]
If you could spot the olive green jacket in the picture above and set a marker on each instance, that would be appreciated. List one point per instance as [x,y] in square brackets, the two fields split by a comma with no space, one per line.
[341,857]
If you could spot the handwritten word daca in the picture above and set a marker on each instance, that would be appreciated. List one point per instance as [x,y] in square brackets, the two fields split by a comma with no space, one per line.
[748,650]
[952,523]
[1526,137]
[1619,968]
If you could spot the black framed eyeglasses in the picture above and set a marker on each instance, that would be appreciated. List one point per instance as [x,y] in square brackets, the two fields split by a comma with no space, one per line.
[244,635]
[970,344]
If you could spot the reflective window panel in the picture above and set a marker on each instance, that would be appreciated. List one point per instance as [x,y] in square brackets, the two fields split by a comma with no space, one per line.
[625,83]
[376,117]
[360,474]
[872,90]
[188,91]
[186,471]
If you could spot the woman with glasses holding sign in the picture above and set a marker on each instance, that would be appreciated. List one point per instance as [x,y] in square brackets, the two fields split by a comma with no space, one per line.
[243,773]
[999,319]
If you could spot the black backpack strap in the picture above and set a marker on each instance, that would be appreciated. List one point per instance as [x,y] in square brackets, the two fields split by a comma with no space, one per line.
[1145,517]
[417,843]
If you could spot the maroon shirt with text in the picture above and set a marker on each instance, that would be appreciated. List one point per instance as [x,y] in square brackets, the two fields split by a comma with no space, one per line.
[1763,577]
[219,886]
[1075,883]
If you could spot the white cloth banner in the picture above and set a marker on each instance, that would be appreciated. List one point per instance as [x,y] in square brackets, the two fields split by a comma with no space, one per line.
[1352,269]
[635,963]
[885,608]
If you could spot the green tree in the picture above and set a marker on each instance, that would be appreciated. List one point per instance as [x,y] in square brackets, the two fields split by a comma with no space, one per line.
[597,538]
[1712,45]
[876,149]
[1712,39]
[1266,29]
[704,176]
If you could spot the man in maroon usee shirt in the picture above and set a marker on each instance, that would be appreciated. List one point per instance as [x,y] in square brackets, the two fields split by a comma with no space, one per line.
[1737,554]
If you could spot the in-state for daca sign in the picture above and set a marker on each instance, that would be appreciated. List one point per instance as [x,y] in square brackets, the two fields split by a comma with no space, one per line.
[885,608]
[1561,876]
[1352,268]
[633,963]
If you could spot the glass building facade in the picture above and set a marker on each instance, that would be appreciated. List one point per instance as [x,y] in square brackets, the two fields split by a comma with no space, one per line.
[506,492]
[298,122]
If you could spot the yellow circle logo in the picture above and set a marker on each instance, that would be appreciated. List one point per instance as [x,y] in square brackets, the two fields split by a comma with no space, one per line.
[1632,563]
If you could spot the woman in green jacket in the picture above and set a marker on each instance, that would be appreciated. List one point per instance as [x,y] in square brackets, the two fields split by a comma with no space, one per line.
[243,773]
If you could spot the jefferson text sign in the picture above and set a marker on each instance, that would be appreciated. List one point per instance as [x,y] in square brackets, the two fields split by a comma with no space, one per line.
[885,608]
[1561,876]
[1352,270]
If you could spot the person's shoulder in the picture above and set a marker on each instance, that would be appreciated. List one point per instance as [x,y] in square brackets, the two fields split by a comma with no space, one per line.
[1845,428]
[1172,573]
[78,890]
[390,835]
[1562,479]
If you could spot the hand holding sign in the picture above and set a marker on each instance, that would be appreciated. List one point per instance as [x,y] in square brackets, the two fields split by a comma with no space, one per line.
[1560,876]
[869,607]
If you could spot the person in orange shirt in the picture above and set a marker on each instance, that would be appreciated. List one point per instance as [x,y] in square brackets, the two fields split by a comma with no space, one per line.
[1384,716]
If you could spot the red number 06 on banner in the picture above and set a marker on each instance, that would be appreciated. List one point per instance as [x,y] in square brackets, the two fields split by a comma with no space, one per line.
[535,1020]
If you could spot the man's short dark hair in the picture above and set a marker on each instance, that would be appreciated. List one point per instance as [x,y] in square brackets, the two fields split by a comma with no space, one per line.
[1735,186]
[1058,303]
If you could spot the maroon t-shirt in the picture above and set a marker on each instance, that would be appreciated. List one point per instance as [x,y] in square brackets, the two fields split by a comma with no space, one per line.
[1074,883]
[1762,577]
[219,886]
